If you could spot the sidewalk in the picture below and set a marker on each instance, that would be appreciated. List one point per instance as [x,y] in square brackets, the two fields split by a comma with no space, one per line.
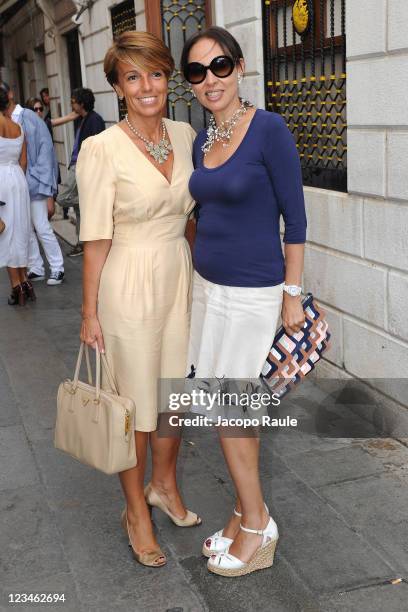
[340,504]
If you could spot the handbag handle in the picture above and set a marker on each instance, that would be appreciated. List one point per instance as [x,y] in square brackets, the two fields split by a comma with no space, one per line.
[78,365]
[105,365]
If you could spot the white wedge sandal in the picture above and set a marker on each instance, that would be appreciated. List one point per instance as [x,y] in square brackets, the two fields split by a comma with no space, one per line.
[226,564]
[217,543]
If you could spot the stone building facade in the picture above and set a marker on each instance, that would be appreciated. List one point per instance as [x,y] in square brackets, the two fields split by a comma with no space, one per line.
[357,250]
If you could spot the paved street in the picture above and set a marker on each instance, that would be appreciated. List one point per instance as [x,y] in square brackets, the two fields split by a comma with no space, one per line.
[340,504]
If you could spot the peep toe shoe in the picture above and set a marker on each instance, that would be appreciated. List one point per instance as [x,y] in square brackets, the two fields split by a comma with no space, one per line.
[217,543]
[226,564]
[153,499]
[153,558]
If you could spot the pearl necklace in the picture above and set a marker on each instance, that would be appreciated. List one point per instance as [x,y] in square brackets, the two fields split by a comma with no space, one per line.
[224,131]
[160,151]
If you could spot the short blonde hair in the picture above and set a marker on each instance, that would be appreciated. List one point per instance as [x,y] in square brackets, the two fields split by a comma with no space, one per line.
[142,49]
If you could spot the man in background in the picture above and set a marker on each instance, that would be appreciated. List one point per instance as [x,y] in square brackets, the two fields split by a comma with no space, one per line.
[89,123]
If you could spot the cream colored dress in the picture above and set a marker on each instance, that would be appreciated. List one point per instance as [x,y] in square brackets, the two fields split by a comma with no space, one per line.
[144,296]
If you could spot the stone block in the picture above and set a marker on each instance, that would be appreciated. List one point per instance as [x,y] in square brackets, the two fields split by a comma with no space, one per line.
[9,409]
[96,79]
[284,593]
[385,233]
[141,21]
[240,10]
[318,468]
[366,161]
[139,6]
[397,160]
[397,25]
[397,304]
[322,564]
[51,63]
[372,37]
[376,356]
[95,46]
[17,465]
[382,83]
[252,89]
[334,220]
[335,321]
[381,519]
[353,286]
[249,36]
[388,597]
[106,104]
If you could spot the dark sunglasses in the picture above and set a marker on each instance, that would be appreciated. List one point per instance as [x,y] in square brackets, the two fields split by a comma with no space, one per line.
[38,109]
[221,66]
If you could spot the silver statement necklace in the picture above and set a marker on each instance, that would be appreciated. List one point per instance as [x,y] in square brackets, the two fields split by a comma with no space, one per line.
[160,151]
[223,132]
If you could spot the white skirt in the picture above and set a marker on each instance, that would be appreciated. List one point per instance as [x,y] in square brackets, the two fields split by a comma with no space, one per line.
[232,329]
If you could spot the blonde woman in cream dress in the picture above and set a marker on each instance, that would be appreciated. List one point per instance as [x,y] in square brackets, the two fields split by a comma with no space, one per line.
[137,268]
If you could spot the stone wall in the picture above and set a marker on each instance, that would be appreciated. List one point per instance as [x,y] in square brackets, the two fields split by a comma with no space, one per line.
[356,261]
[357,255]
[243,18]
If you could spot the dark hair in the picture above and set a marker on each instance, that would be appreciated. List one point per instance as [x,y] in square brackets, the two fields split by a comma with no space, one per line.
[30,103]
[84,96]
[44,90]
[4,86]
[4,99]
[227,42]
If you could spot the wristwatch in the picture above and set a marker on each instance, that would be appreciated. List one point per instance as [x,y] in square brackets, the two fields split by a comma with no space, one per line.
[293,290]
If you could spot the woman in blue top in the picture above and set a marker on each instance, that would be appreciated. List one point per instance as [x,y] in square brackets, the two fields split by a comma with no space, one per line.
[247,174]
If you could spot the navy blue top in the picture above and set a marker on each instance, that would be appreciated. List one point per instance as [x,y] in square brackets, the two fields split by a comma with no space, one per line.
[239,204]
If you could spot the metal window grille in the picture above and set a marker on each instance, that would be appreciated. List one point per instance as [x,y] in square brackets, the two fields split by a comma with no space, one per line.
[305,81]
[123,18]
[180,20]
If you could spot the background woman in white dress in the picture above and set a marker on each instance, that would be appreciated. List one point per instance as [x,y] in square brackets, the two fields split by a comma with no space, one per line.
[15,212]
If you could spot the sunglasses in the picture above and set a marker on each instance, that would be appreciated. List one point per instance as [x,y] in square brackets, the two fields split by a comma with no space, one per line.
[221,66]
[38,109]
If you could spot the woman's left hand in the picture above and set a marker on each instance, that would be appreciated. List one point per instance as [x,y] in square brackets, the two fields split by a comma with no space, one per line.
[293,316]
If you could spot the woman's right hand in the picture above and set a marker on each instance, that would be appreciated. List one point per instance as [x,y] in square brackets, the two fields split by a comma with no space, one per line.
[91,332]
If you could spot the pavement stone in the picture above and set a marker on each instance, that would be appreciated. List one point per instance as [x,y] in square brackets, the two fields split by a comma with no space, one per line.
[376,507]
[16,460]
[388,597]
[319,544]
[340,503]
[321,467]
[9,412]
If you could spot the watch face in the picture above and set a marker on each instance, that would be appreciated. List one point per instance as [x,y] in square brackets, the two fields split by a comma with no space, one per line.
[293,290]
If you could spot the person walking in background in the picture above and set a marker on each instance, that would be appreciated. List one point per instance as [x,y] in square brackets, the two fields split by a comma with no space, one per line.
[50,122]
[88,123]
[37,106]
[42,172]
[15,221]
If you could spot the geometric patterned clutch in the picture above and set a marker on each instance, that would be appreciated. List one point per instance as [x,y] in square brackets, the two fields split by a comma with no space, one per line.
[291,358]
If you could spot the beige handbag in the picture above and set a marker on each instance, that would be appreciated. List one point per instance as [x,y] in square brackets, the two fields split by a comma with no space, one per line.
[95,426]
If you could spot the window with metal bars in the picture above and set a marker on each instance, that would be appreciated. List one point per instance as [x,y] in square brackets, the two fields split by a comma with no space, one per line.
[305,81]
[175,21]
[123,18]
